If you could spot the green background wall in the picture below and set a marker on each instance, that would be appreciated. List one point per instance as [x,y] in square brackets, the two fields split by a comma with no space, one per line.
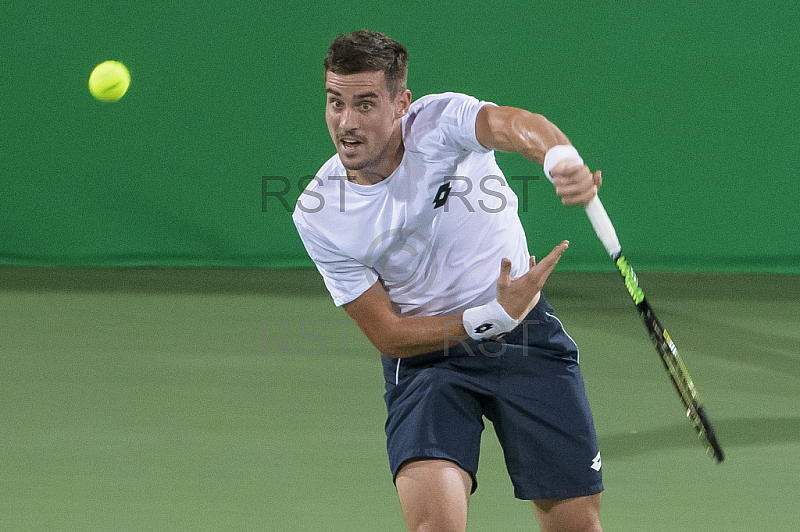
[690,109]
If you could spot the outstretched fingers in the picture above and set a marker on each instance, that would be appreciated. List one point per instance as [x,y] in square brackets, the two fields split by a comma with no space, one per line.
[547,264]
[505,273]
[518,295]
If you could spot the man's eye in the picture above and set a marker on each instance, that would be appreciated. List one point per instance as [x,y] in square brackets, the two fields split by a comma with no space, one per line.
[366,106]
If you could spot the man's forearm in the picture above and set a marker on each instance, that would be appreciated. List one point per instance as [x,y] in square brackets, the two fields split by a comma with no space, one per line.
[410,336]
[402,336]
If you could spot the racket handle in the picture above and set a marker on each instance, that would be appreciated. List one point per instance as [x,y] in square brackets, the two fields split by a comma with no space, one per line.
[603,227]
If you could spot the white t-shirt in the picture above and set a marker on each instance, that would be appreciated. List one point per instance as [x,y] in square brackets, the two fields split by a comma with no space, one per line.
[433,232]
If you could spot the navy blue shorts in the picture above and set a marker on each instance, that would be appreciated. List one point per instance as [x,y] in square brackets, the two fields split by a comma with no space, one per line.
[527,383]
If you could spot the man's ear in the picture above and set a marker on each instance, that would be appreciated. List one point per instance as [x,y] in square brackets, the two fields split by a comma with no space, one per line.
[403,102]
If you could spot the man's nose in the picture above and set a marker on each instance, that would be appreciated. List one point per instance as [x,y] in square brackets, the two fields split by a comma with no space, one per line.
[348,121]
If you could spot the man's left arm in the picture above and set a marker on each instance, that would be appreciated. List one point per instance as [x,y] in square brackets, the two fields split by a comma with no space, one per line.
[510,129]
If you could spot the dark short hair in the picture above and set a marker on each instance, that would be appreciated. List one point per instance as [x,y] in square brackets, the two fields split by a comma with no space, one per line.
[369,51]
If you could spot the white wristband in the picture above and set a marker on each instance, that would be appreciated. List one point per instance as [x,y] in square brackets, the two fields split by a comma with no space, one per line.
[557,154]
[487,321]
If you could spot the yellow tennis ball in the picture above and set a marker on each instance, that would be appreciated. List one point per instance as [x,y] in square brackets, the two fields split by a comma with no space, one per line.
[109,81]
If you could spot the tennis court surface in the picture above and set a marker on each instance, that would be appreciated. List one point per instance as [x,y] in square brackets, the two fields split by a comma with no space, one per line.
[225,399]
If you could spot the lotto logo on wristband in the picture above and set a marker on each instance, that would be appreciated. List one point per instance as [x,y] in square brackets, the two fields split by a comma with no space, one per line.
[493,319]
[483,329]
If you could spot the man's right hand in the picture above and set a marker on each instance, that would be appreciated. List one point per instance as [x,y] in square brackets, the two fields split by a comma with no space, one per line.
[575,183]
[519,295]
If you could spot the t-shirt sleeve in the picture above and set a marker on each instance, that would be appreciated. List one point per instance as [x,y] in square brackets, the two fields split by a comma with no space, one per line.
[455,116]
[345,278]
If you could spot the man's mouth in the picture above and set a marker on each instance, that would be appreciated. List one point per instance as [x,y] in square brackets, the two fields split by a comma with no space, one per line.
[349,144]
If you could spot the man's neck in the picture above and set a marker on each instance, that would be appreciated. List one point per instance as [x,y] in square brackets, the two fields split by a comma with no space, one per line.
[390,160]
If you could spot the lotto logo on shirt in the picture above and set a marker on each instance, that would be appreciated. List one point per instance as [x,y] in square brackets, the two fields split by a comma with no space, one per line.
[441,195]
[491,193]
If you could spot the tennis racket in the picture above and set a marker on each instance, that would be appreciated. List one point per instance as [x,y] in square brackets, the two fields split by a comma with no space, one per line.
[658,334]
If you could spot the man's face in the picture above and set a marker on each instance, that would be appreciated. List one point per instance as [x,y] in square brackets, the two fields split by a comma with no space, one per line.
[363,117]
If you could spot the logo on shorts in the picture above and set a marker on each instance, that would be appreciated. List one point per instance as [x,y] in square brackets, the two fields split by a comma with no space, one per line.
[596,463]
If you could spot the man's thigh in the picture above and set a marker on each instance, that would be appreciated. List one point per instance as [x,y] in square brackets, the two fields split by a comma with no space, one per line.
[436,412]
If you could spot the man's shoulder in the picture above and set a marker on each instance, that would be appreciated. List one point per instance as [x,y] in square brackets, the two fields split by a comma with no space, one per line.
[316,189]
[439,101]
[332,166]
[445,120]
[331,169]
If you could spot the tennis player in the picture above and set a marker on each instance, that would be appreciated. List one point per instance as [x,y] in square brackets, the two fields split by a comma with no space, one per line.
[416,234]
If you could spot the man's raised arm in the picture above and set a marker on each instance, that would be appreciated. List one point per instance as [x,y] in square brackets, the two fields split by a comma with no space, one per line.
[510,129]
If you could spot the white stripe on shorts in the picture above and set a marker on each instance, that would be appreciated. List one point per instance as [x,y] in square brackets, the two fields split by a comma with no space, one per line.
[565,332]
